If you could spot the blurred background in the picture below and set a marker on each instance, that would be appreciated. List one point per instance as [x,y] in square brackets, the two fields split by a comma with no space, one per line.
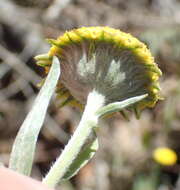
[124,160]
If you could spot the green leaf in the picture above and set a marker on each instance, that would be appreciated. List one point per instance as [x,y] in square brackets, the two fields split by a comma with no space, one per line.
[118,106]
[82,159]
[23,150]
[1,164]
[148,182]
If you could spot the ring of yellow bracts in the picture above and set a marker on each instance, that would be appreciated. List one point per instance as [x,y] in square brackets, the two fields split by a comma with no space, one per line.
[165,156]
[118,40]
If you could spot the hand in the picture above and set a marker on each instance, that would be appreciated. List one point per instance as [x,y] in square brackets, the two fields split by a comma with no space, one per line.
[12,180]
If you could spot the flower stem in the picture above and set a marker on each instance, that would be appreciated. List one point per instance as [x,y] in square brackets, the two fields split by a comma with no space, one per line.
[86,126]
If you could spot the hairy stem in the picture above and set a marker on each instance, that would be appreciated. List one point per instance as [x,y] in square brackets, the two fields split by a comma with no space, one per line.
[88,122]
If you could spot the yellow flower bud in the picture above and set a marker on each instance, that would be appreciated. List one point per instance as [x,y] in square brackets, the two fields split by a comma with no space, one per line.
[165,156]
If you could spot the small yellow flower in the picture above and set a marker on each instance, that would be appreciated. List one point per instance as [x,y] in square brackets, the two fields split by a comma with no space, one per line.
[112,62]
[165,156]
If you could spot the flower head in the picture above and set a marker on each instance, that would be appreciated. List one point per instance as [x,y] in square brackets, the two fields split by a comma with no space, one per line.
[165,156]
[112,62]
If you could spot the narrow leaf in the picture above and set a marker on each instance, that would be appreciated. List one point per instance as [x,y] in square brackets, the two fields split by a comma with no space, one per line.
[118,106]
[23,150]
[1,164]
[82,159]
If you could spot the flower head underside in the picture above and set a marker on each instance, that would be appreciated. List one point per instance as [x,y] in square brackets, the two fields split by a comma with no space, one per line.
[114,63]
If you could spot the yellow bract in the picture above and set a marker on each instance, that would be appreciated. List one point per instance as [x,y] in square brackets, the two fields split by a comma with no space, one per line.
[105,34]
[165,156]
